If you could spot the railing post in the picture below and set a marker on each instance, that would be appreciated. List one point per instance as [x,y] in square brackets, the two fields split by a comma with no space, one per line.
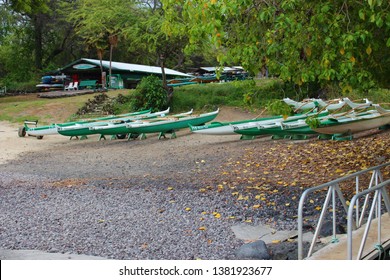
[333,189]
[376,205]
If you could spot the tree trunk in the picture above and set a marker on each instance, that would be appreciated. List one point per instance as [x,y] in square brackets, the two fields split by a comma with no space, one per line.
[110,71]
[113,40]
[164,77]
[37,22]
[100,55]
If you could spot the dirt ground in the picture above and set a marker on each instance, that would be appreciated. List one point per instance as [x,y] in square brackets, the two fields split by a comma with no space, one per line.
[17,148]
[314,161]
[256,182]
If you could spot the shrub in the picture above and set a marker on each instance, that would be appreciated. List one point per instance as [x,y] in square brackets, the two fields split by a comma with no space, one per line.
[150,94]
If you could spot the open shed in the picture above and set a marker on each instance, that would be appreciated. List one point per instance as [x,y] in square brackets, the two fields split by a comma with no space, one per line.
[124,75]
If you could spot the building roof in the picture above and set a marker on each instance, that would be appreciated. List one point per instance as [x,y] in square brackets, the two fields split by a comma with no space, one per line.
[85,63]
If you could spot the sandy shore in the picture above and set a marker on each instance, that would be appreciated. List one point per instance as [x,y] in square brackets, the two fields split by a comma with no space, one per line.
[13,145]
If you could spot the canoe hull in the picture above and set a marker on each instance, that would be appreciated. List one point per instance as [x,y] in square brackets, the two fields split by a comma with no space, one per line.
[224,128]
[353,126]
[84,129]
[213,129]
[42,130]
[120,128]
[54,128]
[290,126]
[171,125]
[111,129]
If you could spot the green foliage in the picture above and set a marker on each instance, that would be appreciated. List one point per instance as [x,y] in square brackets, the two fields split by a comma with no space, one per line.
[278,107]
[30,6]
[302,42]
[150,94]
[91,105]
[22,87]
[234,93]
[95,21]
[312,122]
[32,37]
[122,104]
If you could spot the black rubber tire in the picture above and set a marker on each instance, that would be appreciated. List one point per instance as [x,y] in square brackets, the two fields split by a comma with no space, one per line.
[39,137]
[121,136]
[22,131]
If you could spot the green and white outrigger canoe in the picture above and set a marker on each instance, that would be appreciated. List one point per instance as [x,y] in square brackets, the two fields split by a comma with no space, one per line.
[120,128]
[83,129]
[169,125]
[40,131]
[294,125]
[228,128]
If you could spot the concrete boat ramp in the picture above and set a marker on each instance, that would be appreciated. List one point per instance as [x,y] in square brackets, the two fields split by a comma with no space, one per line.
[372,250]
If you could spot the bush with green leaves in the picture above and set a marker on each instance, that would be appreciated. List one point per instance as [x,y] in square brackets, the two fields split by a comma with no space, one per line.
[150,93]
[279,107]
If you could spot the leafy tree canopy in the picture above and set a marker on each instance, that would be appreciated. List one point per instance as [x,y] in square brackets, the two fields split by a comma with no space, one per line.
[30,7]
[95,21]
[340,42]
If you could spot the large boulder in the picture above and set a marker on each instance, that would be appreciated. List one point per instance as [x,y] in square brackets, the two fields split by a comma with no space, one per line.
[253,251]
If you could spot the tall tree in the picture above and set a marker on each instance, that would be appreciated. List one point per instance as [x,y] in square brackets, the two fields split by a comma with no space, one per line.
[35,11]
[99,23]
[341,42]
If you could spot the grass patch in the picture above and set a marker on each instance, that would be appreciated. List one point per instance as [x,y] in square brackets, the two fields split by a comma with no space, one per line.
[16,109]
[250,94]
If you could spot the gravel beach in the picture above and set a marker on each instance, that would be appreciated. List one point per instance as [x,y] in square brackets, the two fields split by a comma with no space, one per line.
[153,199]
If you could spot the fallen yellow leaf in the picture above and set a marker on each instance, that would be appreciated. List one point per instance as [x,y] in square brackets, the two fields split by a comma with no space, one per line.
[217,215]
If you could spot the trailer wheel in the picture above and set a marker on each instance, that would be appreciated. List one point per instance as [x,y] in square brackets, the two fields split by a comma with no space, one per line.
[39,137]
[121,136]
[22,131]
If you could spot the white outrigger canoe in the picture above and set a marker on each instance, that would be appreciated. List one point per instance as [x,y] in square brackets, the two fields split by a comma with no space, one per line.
[353,123]
[331,105]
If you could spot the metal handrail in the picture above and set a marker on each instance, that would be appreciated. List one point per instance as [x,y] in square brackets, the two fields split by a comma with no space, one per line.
[380,191]
[333,189]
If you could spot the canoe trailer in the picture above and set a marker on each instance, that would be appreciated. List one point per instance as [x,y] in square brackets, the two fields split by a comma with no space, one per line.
[22,130]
